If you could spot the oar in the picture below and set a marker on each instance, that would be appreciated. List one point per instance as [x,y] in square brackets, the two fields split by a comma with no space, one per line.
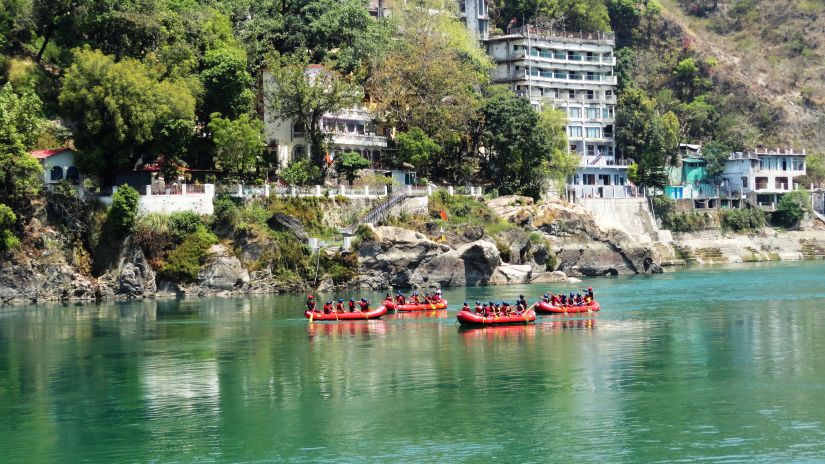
[524,314]
[311,315]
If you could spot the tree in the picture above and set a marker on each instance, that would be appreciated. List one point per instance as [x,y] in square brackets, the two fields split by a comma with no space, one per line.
[122,109]
[301,172]
[716,155]
[416,148]
[303,94]
[227,84]
[791,208]
[815,170]
[123,212]
[519,147]
[349,163]
[20,125]
[8,240]
[238,143]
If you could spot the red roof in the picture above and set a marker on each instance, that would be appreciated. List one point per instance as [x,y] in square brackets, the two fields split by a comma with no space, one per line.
[43,154]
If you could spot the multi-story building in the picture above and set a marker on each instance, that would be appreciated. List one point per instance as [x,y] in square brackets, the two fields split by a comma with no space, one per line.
[350,129]
[475,15]
[572,72]
[763,175]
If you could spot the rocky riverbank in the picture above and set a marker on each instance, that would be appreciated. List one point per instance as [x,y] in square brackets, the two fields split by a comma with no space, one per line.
[548,241]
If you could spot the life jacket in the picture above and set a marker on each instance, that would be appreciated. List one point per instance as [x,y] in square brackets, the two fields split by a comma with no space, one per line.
[364,305]
[415,299]
[399,299]
[478,309]
[465,308]
[339,307]
[311,305]
[327,308]
[351,305]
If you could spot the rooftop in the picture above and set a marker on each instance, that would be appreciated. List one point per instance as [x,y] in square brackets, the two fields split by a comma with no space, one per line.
[607,38]
[43,154]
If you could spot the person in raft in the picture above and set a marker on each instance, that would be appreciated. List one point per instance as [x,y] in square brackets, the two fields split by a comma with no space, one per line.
[328,307]
[339,306]
[364,305]
[438,296]
[589,294]
[521,304]
[311,303]
[466,307]
[479,309]
[399,299]
[351,305]
[414,299]
[555,300]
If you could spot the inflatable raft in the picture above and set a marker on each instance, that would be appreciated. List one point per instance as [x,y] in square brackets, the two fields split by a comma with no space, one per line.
[547,308]
[357,315]
[468,318]
[417,307]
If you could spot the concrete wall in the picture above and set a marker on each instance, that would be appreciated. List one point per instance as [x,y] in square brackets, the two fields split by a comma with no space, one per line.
[629,214]
[200,203]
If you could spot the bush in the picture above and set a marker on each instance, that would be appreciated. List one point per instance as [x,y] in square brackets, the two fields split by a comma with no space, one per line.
[8,241]
[550,263]
[225,210]
[183,224]
[687,222]
[791,208]
[122,214]
[151,233]
[739,220]
[301,172]
[184,262]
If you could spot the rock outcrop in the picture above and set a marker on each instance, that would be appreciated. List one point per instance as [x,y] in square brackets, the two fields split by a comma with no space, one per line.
[131,277]
[286,223]
[222,272]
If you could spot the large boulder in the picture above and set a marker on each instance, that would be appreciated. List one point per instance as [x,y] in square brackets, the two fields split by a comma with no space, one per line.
[222,271]
[480,258]
[446,270]
[286,223]
[518,242]
[136,277]
[510,274]
[392,256]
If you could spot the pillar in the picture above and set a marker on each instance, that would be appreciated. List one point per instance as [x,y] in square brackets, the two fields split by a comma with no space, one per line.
[183,189]
[148,190]
[366,190]
[317,190]
[450,190]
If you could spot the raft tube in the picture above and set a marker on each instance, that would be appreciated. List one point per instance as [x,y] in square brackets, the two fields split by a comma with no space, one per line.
[357,315]
[469,318]
[421,306]
[547,308]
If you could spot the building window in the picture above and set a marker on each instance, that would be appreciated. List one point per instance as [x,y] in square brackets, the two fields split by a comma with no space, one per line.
[574,131]
[594,132]
[589,179]
[571,94]
[592,113]
[781,183]
[744,182]
[767,163]
[761,183]
[591,95]
[298,153]
[797,163]
[298,130]
[591,150]
[73,175]
[56,174]
[574,112]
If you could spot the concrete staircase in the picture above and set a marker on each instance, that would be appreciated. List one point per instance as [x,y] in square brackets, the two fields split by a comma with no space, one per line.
[632,215]
[812,250]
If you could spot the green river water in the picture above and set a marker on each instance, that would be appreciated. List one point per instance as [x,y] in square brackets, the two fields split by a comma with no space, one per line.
[718,364]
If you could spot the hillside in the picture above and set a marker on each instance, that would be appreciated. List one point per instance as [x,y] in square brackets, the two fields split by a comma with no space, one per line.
[774,48]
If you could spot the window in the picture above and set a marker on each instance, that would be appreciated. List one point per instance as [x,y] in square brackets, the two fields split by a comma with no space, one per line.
[591,95]
[298,153]
[744,182]
[574,131]
[589,179]
[571,94]
[607,112]
[594,132]
[761,183]
[297,130]
[561,74]
[72,175]
[591,76]
[781,183]
[797,163]
[591,150]
[56,173]
[767,163]
[574,112]
[592,113]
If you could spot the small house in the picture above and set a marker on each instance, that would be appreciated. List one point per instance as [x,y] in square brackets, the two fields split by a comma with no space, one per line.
[58,165]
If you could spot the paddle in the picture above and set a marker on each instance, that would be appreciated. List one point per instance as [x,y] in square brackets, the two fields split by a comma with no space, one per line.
[524,314]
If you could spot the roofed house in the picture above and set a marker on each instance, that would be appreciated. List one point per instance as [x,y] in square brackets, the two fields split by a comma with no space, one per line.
[58,165]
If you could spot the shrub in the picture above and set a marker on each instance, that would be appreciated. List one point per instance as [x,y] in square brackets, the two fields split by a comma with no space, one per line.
[739,220]
[225,210]
[122,214]
[151,233]
[184,262]
[550,263]
[687,222]
[301,172]
[183,224]
[8,241]
[791,208]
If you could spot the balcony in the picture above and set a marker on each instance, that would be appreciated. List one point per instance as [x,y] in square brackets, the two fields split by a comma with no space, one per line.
[607,38]
[576,82]
[360,140]
[562,60]
[603,162]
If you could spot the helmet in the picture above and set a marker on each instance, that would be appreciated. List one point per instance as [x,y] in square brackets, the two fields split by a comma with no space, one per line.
[547,295]
[589,289]
[340,300]
[465,303]
[352,299]
[521,296]
[329,302]
[477,302]
[363,299]
[310,297]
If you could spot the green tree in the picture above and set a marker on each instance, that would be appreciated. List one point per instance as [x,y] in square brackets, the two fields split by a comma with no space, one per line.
[716,155]
[227,84]
[416,148]
[123,212]
[301,172]
[122,110]
[238,143]
[791,208]
[20,126]
[304,94]
[519,149]
[814,170]
[8,240]
[349,163]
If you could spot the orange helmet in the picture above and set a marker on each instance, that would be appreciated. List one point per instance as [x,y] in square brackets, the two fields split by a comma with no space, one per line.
[589,289]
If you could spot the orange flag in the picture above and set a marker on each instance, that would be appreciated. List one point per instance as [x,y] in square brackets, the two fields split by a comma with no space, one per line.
[443,215]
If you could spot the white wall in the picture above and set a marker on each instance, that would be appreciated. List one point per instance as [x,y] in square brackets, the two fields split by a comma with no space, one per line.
[200,203]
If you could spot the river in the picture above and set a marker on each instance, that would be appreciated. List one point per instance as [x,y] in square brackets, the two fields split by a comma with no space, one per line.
[723,364]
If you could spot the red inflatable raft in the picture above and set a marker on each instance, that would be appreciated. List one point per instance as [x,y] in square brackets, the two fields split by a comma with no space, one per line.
[357,315]
[468,318]
[547,308]
[417,307]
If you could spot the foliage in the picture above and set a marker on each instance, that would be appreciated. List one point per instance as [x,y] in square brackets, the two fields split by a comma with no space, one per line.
[238,143]
[743,219]
[8,240]
[349,163]
[225,210]
[151,232]
[122,110]
[227,84]
[815,170]
[791,208]
[184,262]
[20,125]
[182,224]
[303,94]
[122,213]
[301,172]
[416,148]
[341,268]
[716,155]
[688,222]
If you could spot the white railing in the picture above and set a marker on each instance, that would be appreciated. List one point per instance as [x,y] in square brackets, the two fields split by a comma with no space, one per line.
[575,192]
[245,191]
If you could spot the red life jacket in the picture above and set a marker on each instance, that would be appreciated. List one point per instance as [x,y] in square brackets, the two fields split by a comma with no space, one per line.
[327,308]
[364,305]
[399,299]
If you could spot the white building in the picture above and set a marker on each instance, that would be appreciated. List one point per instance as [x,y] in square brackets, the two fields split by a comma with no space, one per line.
[475,15]
[572,72]
[58,165]
[763,175]
[351,129]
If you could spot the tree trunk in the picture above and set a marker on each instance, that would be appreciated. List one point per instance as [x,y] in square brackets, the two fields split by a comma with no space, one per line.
[46,37]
